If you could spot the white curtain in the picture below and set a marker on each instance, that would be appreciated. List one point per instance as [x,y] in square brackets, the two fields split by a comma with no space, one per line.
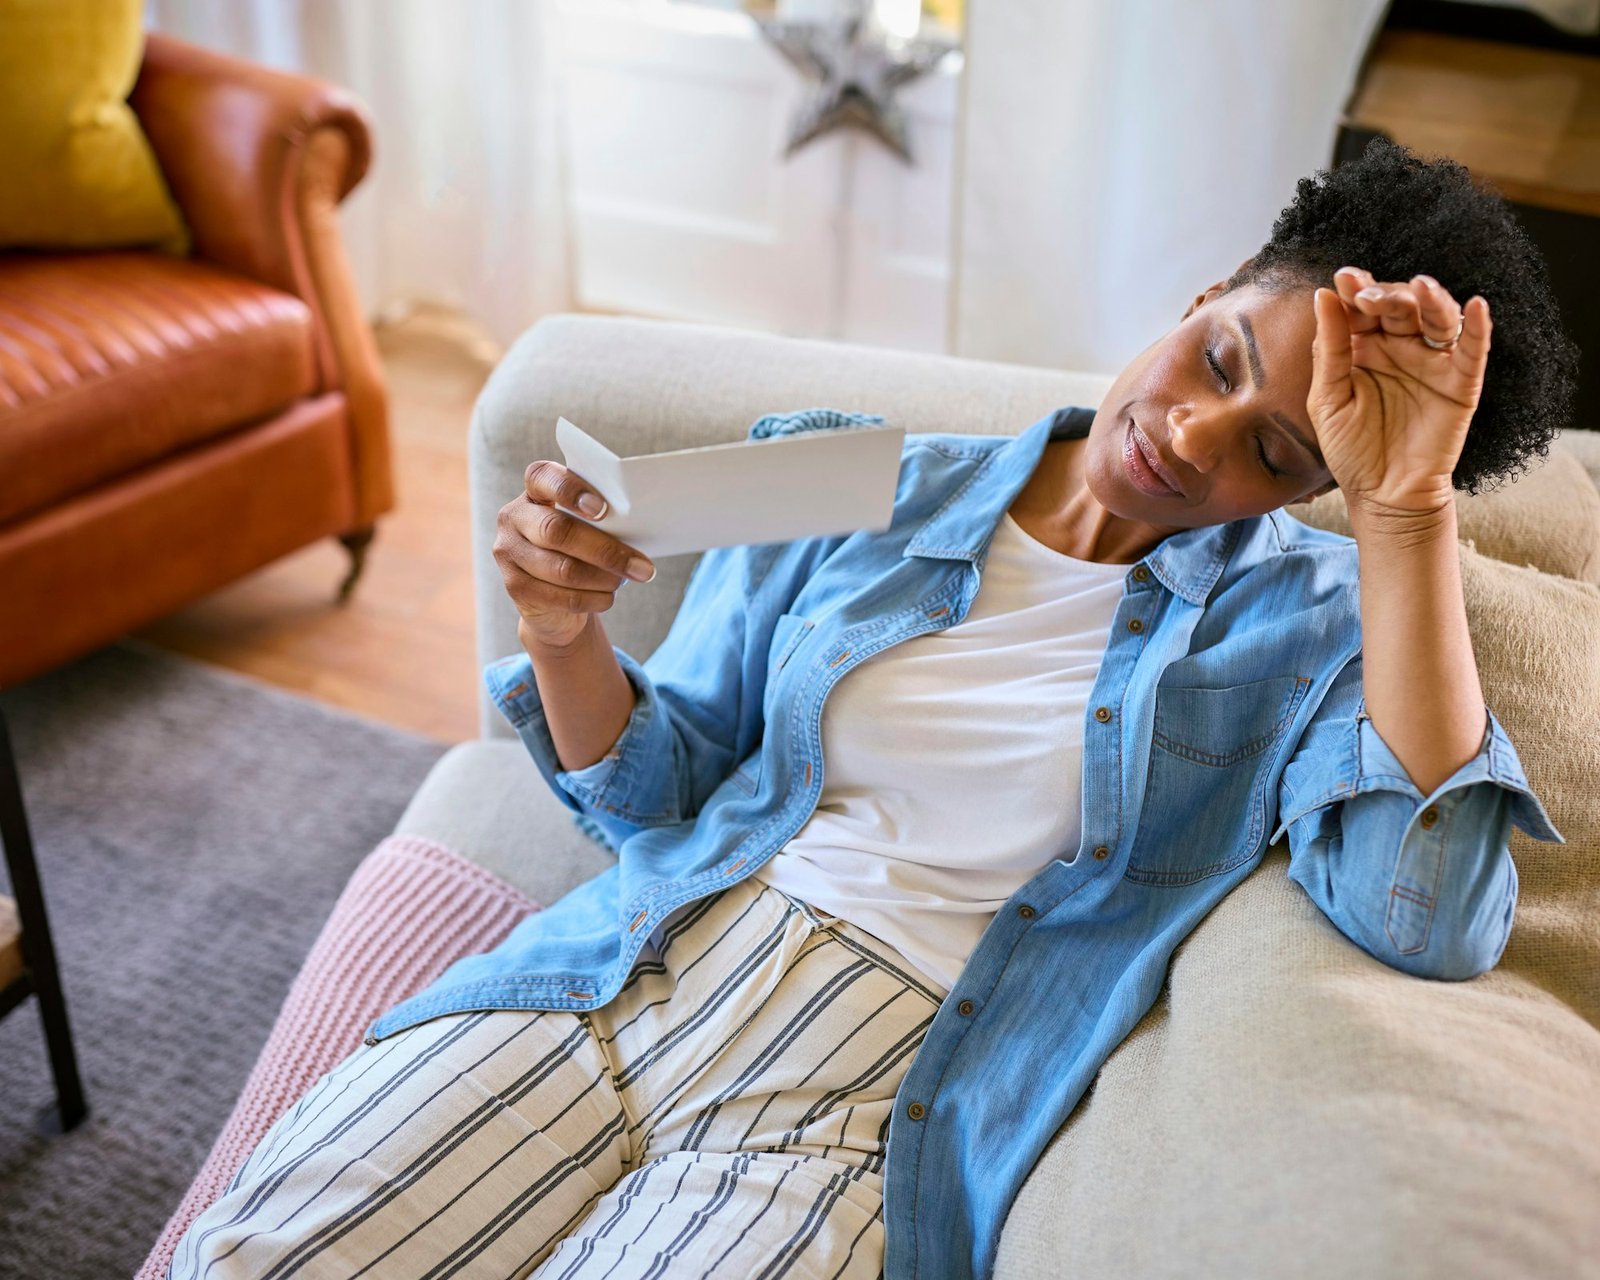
[463,206]
[1119,157]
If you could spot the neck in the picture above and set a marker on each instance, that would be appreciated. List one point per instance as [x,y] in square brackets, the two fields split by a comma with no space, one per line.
[1057,508]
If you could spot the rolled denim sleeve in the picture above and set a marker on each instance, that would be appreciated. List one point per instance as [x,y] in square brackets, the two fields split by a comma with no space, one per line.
[603,804]
[1424,883]
[699,698]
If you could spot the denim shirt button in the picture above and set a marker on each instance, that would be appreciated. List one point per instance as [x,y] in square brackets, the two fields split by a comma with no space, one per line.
[1430,815]
[965,1008]
[916,1111]
[1101,852]
[1141,574]
[1027,913]
[1135,626]
[1102,714]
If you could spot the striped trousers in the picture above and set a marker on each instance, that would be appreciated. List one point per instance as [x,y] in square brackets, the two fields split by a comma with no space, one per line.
[726,1114]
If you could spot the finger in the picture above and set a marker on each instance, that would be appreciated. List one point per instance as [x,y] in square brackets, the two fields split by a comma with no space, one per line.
[1440,313]
[1330,356]
[1471,355]
[549,579]
[1347,282]
[547,481]
[1348,279]
[562,535]
[1394,306]
[533,596]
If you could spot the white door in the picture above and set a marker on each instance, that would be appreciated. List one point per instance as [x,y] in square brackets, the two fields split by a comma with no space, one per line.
[675,117]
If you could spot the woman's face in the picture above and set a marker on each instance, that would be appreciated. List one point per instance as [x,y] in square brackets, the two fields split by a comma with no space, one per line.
[1220,402]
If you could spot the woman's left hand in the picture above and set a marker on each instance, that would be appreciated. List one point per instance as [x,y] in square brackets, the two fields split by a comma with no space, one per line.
[1390,412]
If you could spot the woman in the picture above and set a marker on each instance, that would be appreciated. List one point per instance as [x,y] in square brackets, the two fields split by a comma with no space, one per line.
[821,1020]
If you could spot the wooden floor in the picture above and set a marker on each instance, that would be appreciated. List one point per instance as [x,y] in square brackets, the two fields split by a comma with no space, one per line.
[401,651]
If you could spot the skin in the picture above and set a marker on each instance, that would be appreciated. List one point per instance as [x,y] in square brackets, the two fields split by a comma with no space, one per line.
[1350,374]
[1388,415]
[1080,501]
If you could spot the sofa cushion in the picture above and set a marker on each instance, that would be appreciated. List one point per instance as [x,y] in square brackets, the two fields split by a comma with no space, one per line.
[1292,1107]
[79,172]
[111,361]
[1548,517]
[1585,447]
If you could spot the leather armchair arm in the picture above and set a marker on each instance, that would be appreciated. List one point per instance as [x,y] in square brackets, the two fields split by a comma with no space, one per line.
[258,161]
[235,142]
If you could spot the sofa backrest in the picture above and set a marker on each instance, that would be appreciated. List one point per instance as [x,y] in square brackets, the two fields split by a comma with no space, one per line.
[645,386]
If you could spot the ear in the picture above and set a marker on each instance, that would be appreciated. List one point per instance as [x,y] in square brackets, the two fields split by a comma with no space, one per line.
[1200,299]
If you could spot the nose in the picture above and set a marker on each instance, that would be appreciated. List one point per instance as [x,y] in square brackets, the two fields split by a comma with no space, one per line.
[1199,437]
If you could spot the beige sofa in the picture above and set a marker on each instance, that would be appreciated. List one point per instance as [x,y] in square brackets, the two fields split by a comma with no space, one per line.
[1290,1107]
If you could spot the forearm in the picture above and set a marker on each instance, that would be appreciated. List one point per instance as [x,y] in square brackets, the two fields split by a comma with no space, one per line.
[586,697]
[1420,678]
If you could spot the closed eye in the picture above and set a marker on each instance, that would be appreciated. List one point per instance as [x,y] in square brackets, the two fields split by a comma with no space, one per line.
[1222,377]
[1216,367]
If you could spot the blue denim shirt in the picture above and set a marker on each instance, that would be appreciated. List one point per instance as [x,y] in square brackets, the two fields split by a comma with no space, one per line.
[1227,710]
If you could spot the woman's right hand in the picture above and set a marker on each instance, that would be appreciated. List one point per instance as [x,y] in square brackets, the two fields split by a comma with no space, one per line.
[557,569]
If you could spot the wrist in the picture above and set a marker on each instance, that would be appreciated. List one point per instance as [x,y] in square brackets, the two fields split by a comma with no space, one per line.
[543,651]
[1375,525]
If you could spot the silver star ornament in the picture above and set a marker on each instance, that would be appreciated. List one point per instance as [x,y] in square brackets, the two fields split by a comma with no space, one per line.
[857,71]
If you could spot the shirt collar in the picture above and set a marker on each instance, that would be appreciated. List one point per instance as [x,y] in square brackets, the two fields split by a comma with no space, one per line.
[1188,563]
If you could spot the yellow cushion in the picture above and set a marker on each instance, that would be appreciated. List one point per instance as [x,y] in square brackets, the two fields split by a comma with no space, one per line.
[76,171]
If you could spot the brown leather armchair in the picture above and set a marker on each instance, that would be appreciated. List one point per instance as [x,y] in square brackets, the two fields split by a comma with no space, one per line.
[169,425]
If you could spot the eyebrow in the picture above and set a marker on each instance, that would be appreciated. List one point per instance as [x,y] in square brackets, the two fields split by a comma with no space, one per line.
[1258,376]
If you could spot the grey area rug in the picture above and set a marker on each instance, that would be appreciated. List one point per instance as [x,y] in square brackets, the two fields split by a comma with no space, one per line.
[193,829]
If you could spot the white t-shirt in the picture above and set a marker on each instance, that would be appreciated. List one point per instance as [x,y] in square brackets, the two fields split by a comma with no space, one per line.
[953,761]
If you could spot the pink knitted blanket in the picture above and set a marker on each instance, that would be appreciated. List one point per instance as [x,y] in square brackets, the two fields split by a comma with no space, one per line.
[411,908]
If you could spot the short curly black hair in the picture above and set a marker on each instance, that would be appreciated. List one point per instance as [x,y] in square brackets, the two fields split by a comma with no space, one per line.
[1399,214]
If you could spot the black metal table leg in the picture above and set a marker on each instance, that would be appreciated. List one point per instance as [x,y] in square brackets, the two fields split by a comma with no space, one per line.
[38,952]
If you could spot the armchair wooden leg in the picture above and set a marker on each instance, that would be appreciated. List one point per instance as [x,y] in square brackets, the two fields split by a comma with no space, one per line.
[38,951]
[356,543]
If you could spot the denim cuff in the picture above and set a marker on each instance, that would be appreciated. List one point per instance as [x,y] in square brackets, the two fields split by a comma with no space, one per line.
[1366,763]
[1496,762]
[611,785]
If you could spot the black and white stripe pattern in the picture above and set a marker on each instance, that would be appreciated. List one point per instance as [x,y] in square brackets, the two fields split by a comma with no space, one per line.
[725,1115]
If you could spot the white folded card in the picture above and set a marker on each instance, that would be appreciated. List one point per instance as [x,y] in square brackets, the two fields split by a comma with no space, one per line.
[748,491]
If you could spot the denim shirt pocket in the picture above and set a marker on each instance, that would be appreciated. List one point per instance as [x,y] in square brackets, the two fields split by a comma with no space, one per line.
[1206,801]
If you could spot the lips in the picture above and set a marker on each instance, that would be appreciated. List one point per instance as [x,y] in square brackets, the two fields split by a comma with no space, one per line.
[1154,459]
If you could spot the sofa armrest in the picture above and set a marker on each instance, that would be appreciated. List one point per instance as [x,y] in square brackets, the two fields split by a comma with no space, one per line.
[487,801]
[241,148]
[258,161]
